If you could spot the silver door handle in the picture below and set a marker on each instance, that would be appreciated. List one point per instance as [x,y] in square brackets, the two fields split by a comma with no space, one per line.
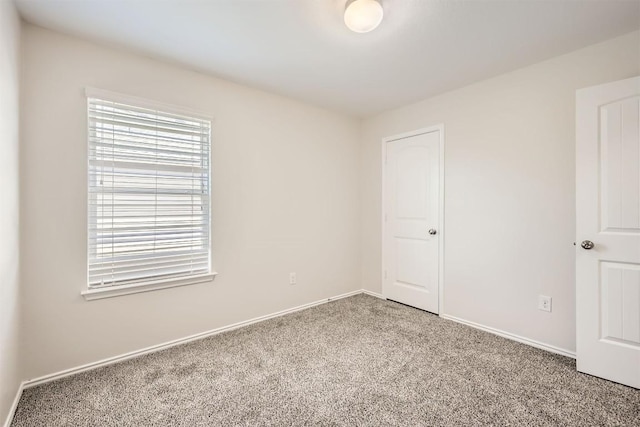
[432,231]
[587,244]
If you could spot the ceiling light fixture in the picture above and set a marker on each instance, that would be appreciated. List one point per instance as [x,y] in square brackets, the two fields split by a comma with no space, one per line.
[362,16]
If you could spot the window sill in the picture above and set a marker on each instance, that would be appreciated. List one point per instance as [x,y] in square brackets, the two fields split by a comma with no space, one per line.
[116,291]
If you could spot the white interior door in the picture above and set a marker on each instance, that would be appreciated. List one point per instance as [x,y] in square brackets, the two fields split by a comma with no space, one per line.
[411,246]
[608,231]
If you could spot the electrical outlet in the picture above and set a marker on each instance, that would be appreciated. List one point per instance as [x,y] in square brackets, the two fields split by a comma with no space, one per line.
[292,278]
[544,303]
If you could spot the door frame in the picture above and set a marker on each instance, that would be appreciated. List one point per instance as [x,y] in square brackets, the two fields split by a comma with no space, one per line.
[441,231]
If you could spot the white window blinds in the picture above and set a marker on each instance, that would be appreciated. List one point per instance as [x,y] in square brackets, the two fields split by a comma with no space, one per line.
[149,194]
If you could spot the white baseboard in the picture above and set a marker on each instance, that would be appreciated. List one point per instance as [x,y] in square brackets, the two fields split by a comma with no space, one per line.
[514,337]
[373,294]
[14,406]
[152,349]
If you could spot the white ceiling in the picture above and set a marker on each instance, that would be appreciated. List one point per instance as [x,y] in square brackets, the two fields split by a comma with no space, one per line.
[301,48]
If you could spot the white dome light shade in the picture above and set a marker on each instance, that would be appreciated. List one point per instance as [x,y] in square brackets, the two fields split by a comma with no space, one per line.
[362,16]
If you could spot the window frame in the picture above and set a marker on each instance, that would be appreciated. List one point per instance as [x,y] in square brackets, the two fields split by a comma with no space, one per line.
[93,293]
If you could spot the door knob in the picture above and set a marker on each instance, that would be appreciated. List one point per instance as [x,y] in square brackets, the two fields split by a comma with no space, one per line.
[432,231]
[587,244]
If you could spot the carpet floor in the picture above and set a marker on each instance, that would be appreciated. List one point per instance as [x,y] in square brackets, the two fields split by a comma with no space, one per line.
[359,361]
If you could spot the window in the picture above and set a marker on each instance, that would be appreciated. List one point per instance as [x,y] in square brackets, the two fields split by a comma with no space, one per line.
[149,198]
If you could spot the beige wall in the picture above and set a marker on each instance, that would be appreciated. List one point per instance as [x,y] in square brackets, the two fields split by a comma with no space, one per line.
[9,206]
[297,188]
[509,189]
[285,199]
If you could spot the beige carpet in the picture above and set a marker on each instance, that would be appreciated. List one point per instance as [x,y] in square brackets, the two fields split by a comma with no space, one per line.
[357,361]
